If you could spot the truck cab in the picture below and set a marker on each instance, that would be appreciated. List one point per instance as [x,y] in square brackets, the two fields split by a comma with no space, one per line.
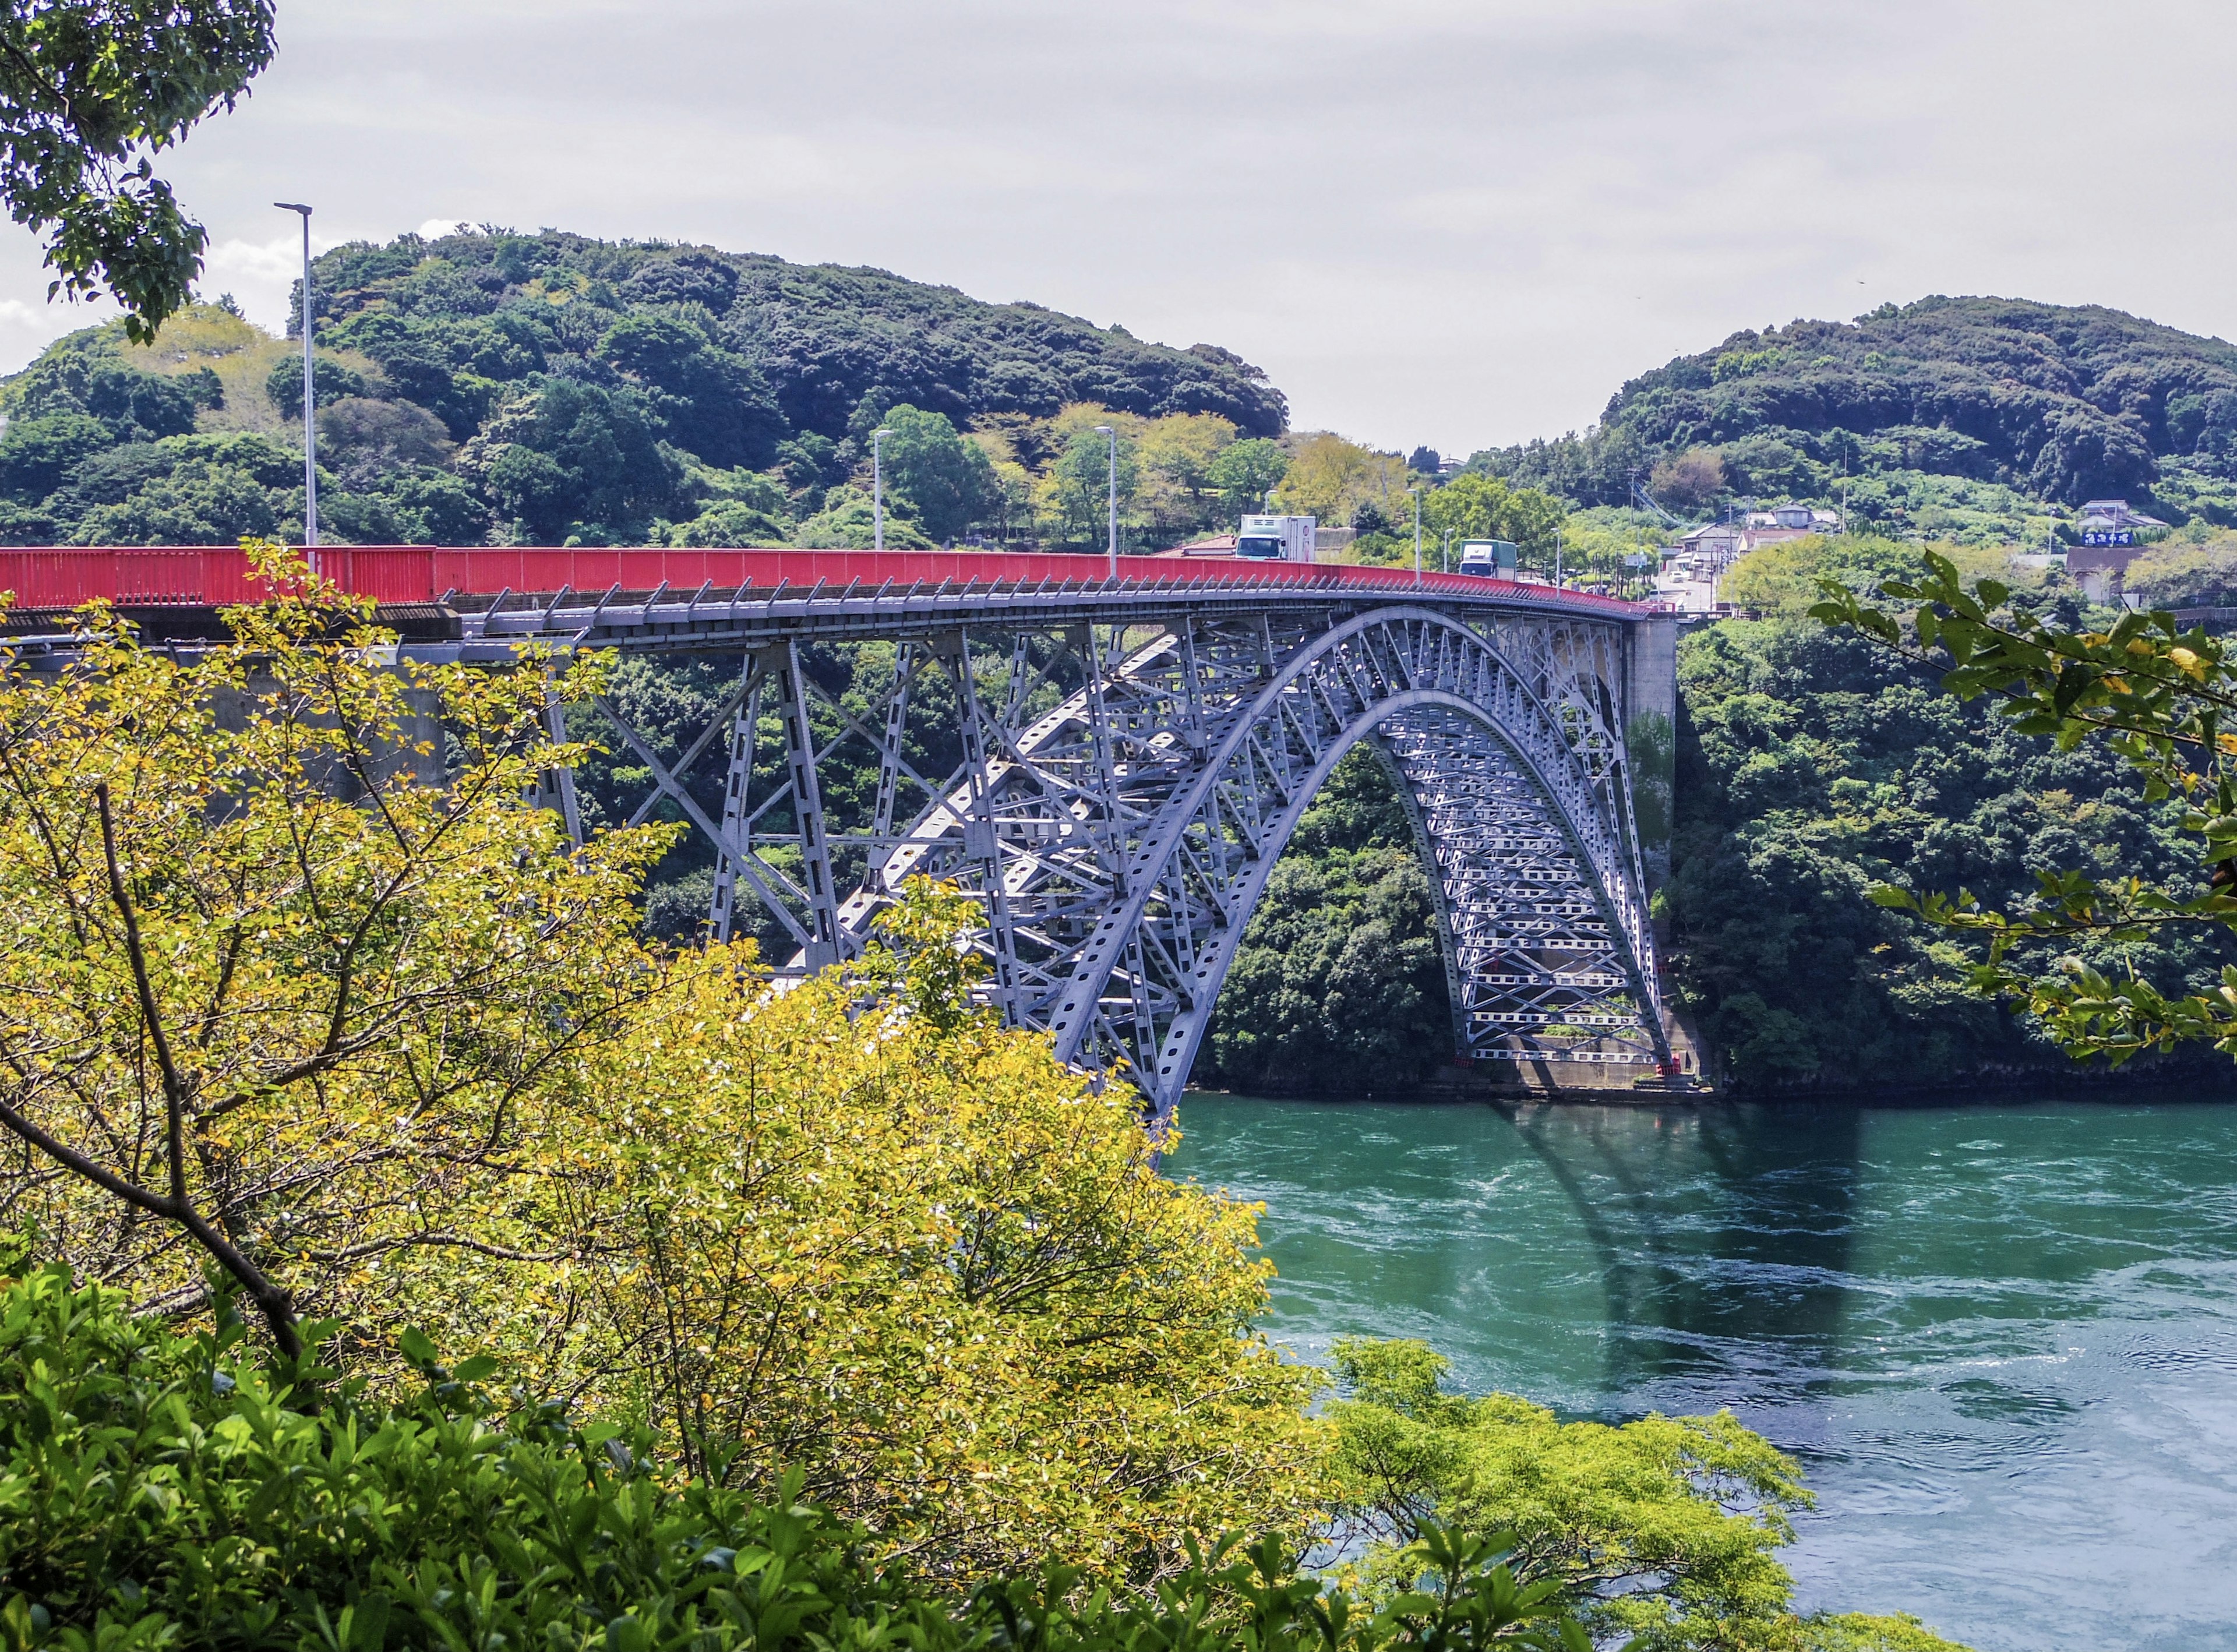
[1276,539]
[1489,559]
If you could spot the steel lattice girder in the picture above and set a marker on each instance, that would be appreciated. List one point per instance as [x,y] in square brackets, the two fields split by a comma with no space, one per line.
[1126,786]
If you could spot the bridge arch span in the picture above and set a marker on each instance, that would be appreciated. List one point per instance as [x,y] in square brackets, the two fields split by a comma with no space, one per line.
[1520,810]
[1121,837]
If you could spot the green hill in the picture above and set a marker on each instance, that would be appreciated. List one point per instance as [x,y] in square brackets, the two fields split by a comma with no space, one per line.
[1966,418]
[549,388]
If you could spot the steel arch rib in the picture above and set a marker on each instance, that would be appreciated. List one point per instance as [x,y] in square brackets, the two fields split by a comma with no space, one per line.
[1150,866]
[1178,1050]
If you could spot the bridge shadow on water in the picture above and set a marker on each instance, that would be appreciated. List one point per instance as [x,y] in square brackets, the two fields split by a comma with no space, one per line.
[1724,1238]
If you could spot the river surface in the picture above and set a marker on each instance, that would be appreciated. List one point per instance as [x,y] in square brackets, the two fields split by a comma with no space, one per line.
[2003,1338]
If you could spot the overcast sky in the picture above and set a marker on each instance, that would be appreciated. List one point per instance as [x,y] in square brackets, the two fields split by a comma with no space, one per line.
[1429,221]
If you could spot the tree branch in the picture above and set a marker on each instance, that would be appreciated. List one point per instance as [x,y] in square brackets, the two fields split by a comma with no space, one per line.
[278,1310]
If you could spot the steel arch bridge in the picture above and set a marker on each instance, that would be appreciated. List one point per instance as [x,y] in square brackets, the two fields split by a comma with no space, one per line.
[1126,759]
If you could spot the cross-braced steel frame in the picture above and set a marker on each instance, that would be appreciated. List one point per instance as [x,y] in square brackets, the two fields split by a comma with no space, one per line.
[1124,769]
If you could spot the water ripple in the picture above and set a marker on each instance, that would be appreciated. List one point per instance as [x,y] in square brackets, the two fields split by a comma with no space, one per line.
[2003,1339]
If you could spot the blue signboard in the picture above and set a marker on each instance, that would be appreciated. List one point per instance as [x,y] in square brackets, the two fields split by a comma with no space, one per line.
[2109,536]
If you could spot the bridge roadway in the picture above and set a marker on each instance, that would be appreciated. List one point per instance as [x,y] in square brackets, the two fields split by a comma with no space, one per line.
[1112,765]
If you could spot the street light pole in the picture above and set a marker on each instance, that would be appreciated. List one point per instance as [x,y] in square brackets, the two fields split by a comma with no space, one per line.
[878,487]
[1107,430]
[310,430]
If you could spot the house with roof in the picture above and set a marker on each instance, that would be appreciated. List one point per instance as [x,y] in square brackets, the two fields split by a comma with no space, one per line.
[2106,533]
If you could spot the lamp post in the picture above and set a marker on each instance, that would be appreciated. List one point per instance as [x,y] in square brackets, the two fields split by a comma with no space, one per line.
[1416,492]
[878,487]
[1112,436]
[310,430]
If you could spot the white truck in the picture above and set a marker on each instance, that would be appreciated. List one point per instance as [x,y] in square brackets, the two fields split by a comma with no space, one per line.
[1276,539]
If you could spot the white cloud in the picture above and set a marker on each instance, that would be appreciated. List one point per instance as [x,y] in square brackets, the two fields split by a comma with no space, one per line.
[260,275]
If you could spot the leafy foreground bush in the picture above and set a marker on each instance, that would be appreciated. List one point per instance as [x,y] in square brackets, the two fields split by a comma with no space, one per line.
[1662,1530]
[159,1491]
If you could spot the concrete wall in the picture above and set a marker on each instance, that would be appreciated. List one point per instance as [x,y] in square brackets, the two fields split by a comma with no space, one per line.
[1651,735]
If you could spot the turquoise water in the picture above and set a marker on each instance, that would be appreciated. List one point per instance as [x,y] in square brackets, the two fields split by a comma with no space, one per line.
[2002,1338]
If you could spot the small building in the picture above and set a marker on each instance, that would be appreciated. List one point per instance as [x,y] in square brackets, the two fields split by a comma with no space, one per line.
[2101,568]
[2116,513]
[1714,542]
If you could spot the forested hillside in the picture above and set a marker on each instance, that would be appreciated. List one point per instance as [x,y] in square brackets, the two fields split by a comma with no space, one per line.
[1959,417]
[551,389]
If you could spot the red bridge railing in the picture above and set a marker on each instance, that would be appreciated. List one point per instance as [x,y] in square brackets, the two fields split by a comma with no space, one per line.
[51,577]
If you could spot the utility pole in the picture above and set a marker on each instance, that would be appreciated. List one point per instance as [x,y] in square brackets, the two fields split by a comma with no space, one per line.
[878,487]
[310,430]
[1112,435]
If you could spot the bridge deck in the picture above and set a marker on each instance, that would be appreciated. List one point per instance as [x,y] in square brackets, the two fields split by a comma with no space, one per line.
[46,578]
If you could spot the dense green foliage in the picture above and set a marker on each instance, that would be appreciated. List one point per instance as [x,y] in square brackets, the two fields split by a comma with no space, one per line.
[550,388]
[1338,985]
[89,91]
[160,1489]
[2142,689]
[1659,1533]
[1942,415]
[1812,766]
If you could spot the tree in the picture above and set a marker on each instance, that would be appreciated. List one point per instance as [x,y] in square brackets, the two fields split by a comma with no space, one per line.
[912,1255]
[278,988]
[92,92]
[948,482]
[37,453]
[569,459]
[1327,476]
[291,998]
[452,1508]
[1076,494]
[196,502]
[1245,471]
[731,522]
[1338,986]
[848,522]
[368,441]
[1658,1534]
[2159,697]
[1179,453]
[1476,506]
[1689,479]
[331,380]
[713,402]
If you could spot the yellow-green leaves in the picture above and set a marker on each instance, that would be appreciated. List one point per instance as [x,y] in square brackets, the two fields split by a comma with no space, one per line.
[1665,1528]
[910,1252]
[291,1002]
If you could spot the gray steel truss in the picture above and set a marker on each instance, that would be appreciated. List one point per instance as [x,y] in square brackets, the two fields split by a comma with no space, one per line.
[1131,761]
